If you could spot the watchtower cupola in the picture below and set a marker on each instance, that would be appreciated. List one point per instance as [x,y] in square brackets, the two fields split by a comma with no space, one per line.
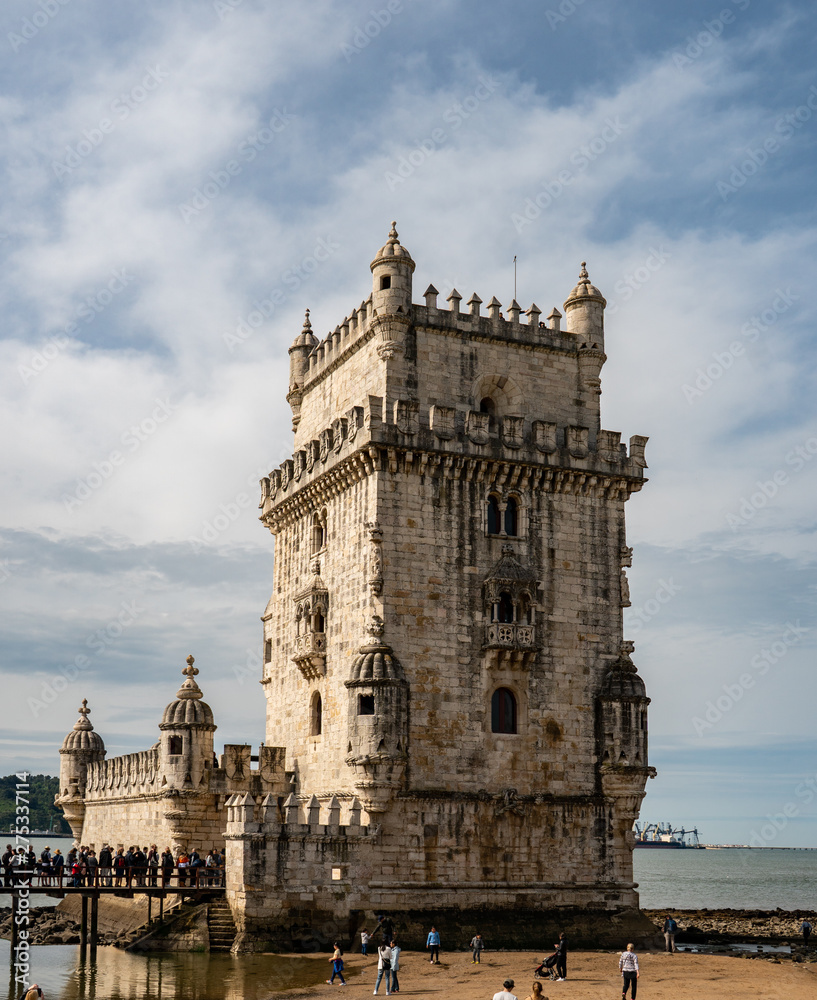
[299,352]
[187,736]
[584,311]
[391,269]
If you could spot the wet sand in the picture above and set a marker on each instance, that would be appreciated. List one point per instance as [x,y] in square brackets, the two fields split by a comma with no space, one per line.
[590,975]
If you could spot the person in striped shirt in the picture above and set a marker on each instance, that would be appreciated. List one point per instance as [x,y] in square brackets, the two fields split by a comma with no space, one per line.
[628,966]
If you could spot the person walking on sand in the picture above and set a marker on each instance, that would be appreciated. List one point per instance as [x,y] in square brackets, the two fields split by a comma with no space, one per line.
[433,942]
[505,992]
[383,968]
[477,946]
[805,930]
[395,966]
[337,965]
[561,958]
[628,966]
[670,928]
[536,992]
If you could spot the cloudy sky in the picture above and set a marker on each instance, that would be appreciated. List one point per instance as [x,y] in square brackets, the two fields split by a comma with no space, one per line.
[171,171]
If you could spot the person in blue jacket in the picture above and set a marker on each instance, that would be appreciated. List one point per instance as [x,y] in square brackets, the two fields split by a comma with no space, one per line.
[433,943]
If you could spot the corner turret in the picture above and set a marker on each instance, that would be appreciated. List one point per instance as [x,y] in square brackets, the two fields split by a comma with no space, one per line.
[81,747]
[186,754]
[299,352]
[584,311]
[392,269]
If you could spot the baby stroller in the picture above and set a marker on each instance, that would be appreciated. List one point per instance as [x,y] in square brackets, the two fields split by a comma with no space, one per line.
[545,970]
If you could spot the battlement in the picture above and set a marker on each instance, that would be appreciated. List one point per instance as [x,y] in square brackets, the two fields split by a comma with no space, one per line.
[358,327]
[374,436]
[330,817]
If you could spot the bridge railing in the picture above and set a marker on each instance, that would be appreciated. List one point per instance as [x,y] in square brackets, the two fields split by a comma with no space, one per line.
[200,877]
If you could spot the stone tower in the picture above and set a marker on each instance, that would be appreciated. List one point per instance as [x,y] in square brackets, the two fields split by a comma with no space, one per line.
[445,667]
[81,747]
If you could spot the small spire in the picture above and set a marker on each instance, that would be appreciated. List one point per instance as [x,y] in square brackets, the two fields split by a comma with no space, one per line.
[189,689]
[83,708]
[83,722]
[307,324]
[190,670]
[393,237]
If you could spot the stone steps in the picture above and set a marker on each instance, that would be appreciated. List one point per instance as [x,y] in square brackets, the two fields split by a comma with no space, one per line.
[221,926]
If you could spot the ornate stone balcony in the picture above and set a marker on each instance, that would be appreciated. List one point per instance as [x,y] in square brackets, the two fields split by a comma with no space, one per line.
[510,641]
[310,654]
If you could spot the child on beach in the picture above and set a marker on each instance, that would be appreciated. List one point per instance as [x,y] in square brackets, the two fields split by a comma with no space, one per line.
[337,966]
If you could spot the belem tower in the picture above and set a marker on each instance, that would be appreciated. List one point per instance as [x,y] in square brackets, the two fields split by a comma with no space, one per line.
[454,722]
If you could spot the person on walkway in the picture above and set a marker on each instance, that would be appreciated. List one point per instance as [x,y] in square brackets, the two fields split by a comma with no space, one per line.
[433,942]
[383,968]
[57,865]
[337,965]
[477,946]
[6,860]
[168,865]
[153,865]
[120,867]
[805,930]
[395,966]
[105,863]
[561,958]
[365,938]
[92,867]
[45,867]
[628,966]
[505,992]
[536,992]
[670,929]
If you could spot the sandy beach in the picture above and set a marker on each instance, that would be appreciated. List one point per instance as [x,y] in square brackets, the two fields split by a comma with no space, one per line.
[590,975]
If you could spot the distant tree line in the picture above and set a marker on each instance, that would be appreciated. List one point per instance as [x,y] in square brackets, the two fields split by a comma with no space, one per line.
[39,798]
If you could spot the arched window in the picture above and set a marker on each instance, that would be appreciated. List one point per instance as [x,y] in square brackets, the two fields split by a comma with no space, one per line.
[318,533]
[511,516]
[503,711]
[493,515]
[175,746]
[318,622]
[487,405]
[505,609]
[316,715]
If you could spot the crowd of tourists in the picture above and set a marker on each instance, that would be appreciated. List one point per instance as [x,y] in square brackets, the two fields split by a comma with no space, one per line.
[113,867]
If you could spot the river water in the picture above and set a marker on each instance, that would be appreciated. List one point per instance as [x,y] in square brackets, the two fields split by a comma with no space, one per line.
[668,879]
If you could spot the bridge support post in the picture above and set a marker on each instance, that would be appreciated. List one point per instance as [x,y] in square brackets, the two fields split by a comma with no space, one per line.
[83,927]
[15,901]
[94,916]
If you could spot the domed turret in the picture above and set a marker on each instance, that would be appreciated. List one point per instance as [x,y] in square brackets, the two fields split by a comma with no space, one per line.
[392,269]
[81,747]
[584,311]
[378,721]
[299,352]
[622,714]
[187,735]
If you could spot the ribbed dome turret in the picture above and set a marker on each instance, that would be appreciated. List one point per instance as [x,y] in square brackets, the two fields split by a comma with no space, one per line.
[392,250]
[375,661]
[188,709]
[82,736]
[623,679]
[306,338]
[510,569]
[584,289]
